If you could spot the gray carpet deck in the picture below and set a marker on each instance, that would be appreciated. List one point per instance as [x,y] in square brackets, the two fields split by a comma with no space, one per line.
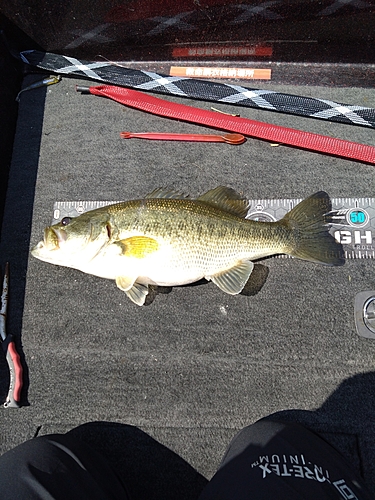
[195,365]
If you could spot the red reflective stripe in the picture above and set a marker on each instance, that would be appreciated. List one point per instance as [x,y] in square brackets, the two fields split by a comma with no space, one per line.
[252,128]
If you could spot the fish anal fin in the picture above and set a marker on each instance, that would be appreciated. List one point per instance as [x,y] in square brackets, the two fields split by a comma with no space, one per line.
[138,246]
[233,280]
[227,199]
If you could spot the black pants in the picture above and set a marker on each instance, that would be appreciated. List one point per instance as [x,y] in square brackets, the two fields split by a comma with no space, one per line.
[273,460]
[267,460]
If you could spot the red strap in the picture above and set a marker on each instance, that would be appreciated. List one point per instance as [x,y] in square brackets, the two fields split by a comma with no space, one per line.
[252,128]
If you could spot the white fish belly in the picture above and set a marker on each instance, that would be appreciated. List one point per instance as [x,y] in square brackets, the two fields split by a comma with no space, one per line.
[178,261]
[178,266]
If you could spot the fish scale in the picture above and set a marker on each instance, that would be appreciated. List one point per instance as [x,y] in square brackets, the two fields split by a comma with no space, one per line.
[353,224]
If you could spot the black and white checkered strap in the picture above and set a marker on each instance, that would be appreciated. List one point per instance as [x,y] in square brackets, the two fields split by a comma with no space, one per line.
[115,74]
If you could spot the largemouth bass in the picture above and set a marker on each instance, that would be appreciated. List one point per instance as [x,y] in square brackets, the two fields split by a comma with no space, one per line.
[169,239]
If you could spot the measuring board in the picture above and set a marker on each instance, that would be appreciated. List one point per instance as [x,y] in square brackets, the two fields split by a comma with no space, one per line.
[353,219]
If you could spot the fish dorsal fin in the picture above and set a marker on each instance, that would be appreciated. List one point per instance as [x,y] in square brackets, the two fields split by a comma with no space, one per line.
[167,193]
[227,199]
[233,280]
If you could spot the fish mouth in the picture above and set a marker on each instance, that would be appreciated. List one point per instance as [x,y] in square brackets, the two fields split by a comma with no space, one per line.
[53,238]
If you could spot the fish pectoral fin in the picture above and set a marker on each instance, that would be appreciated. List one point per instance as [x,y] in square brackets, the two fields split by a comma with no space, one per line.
[138,246]
[138,293]
[233,280]
[135,291]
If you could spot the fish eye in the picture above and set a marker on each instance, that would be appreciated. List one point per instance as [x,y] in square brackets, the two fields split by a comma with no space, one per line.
[65,221]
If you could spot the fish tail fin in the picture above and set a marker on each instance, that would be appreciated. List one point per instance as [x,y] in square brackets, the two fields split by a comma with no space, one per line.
[312,241]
